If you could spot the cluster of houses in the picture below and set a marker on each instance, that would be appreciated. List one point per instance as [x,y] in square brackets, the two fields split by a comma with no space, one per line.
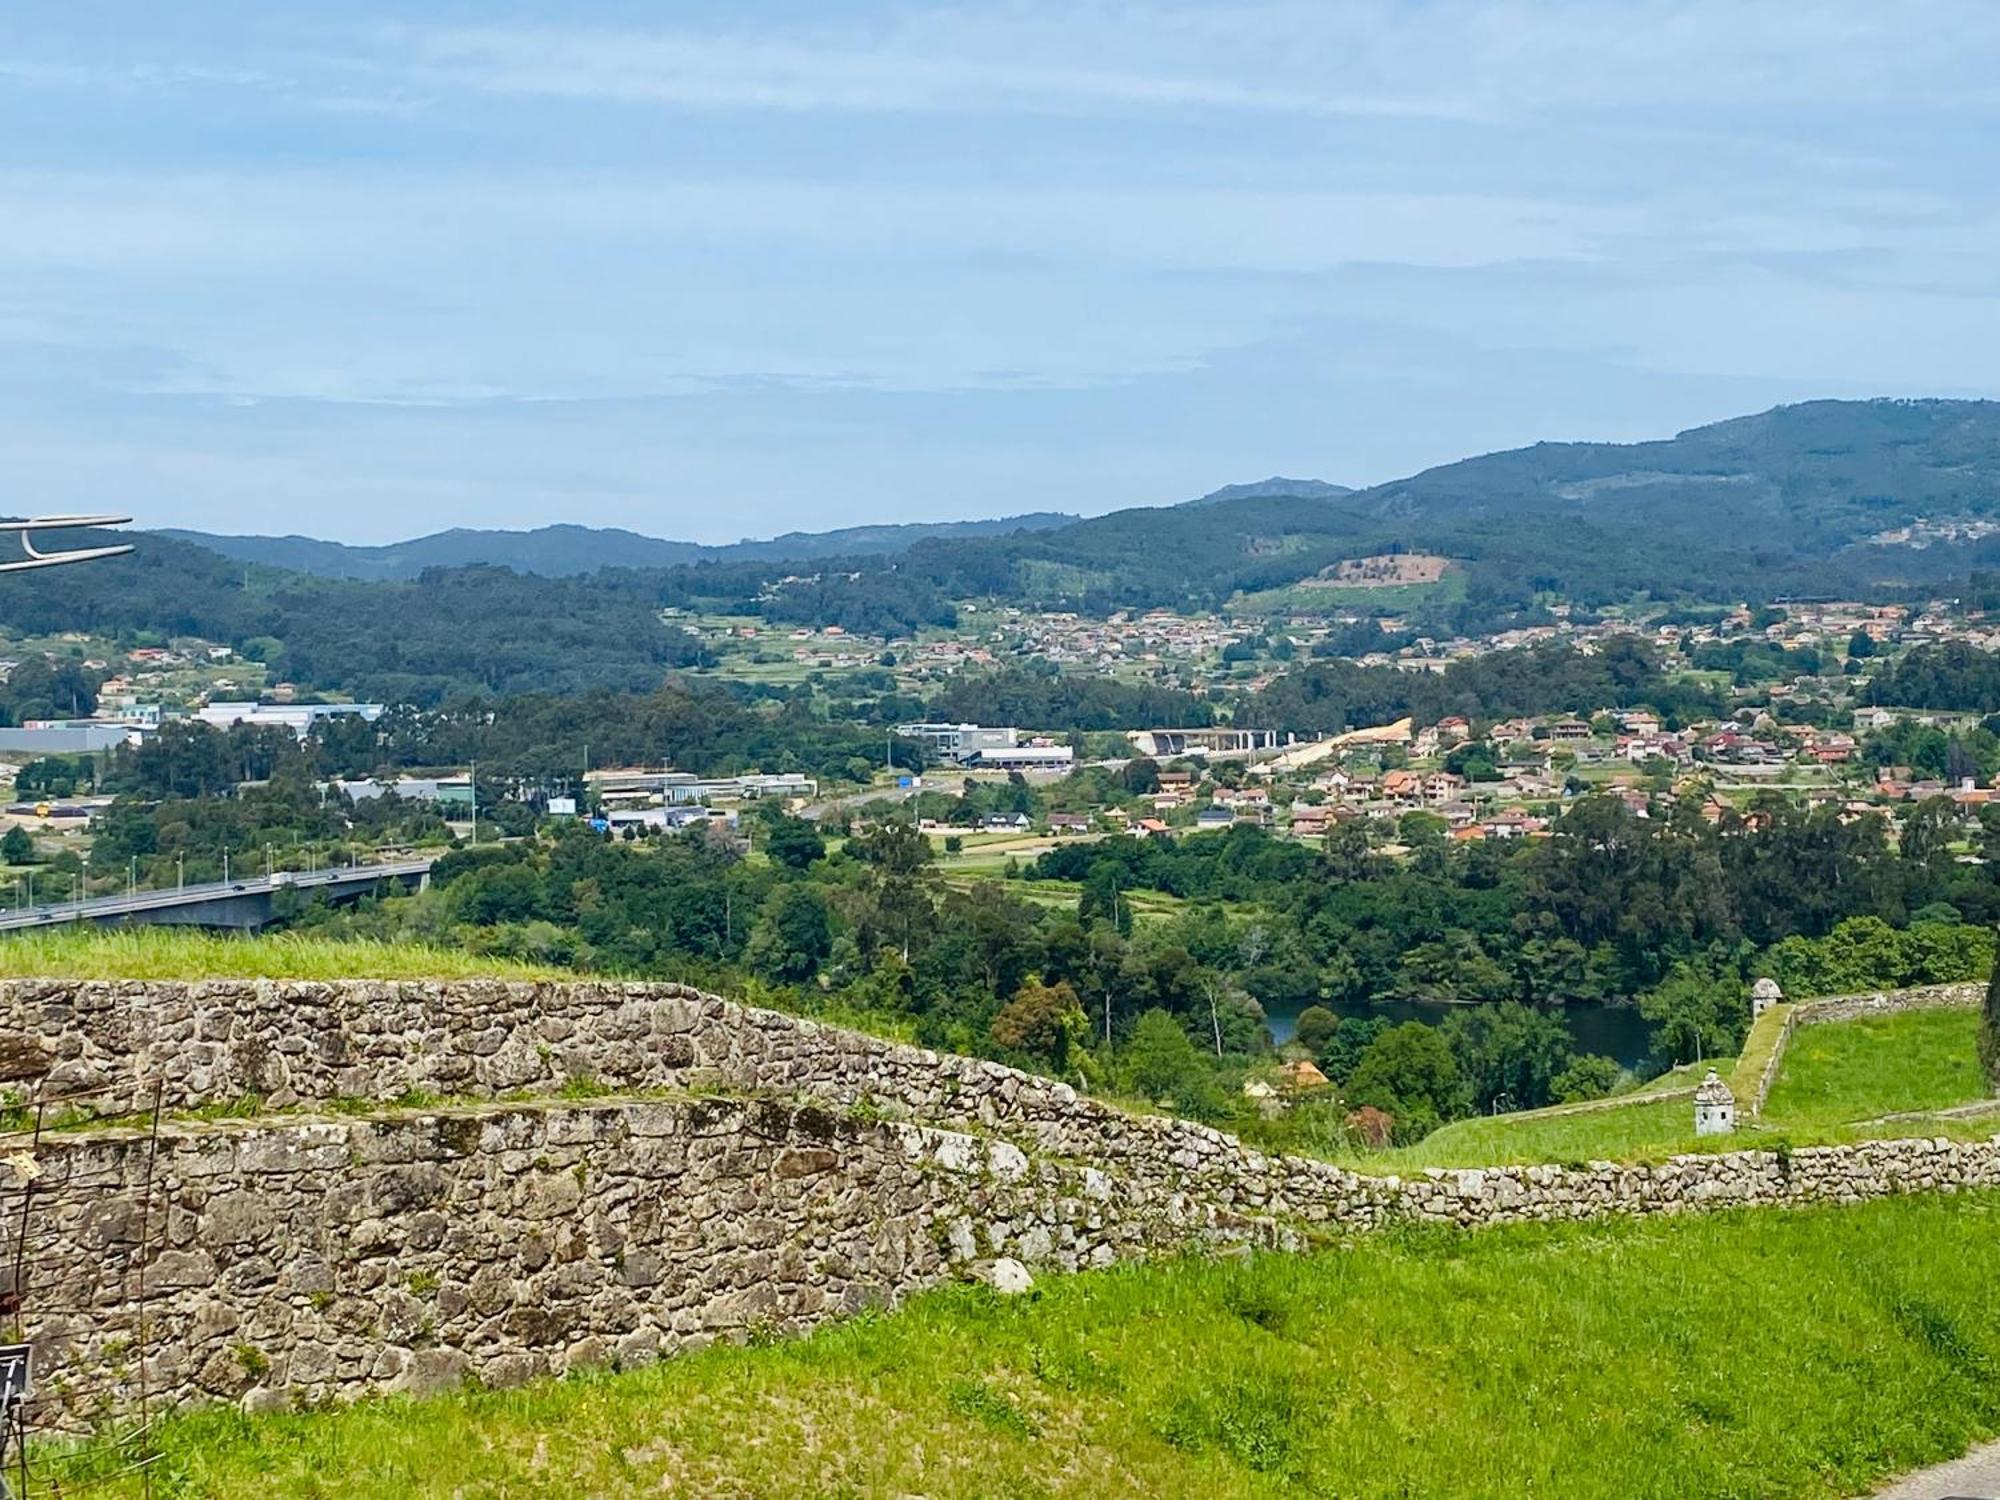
[1525,768]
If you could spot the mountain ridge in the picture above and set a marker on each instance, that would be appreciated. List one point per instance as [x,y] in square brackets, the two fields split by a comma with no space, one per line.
[564,549]
[1277,487]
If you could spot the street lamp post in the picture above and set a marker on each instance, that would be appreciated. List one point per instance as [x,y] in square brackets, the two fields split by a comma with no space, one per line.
[180,871]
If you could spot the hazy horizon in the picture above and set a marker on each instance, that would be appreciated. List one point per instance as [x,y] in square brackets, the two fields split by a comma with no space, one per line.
[373,274]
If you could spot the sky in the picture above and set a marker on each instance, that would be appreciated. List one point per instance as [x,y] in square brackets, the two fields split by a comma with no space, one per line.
[718,270]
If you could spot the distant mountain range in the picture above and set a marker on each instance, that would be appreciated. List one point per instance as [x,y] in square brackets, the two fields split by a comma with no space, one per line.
[1276,487]
[564,550]
[1886,500]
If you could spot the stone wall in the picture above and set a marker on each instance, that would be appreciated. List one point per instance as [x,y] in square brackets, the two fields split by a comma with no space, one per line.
[321,1255]
[313,1259]
[316,1259]
[1963,996]
[296,1044]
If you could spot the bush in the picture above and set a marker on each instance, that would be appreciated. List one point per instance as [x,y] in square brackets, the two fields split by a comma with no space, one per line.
[1163,1066]
[1316,1027]
[1045,1021]
[1588,1076]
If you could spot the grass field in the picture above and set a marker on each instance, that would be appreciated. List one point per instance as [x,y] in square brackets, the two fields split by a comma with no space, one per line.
[1876,1066]
[1579,1362]
[1641,1130]
[182,953]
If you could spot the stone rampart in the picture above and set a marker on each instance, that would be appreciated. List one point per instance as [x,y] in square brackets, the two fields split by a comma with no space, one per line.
[295,1044]
[321,1255]
[325,1258]
[1962,996]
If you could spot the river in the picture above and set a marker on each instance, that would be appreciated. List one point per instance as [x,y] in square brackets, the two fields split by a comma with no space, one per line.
[1616,1031]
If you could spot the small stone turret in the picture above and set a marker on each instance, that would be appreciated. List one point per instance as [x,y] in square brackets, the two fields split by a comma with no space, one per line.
[1714,1106]
[1763,995]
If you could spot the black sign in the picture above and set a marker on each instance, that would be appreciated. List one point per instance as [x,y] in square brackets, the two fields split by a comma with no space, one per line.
[15,1362]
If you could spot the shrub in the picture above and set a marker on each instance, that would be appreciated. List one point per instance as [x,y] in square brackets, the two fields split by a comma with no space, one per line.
[1316,1027]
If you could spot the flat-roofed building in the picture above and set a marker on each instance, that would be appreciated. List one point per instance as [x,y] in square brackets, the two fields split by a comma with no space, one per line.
[1021,758]
[960,742]
[297,717]
[1219,739]
[67,737]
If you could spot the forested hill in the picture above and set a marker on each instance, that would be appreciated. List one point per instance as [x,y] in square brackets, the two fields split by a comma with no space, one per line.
[1791,500]
[1812,478]
[453,631]
[558,551]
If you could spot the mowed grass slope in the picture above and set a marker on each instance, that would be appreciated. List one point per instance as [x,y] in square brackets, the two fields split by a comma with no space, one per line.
[1878,1065]
[185,953]
[1645,1128]
[1769,1354]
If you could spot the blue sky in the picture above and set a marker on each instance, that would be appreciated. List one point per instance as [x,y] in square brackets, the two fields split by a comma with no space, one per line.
[707,271]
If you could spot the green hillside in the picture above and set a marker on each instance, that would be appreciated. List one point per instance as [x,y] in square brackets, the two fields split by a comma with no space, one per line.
[1802,488]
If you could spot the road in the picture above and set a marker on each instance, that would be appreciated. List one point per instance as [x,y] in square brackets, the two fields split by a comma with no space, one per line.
[1974,1477]
[106,908]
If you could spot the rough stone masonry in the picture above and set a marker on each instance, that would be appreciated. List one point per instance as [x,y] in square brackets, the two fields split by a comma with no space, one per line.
[723,1171]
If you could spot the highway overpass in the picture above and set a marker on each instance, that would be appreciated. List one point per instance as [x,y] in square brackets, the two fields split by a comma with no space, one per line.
[241,904]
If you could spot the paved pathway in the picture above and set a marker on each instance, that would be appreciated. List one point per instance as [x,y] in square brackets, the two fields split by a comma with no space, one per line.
[1975,1475]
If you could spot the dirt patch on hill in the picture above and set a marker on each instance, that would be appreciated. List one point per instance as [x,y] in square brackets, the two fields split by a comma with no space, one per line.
[1391,570]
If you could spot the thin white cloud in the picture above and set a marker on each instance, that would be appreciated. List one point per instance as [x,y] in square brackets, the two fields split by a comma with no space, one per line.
[371,224]
[900,75]
[1391,58]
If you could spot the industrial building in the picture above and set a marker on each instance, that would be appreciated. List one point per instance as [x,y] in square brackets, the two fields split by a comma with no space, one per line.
[1219,739]
[1021,758]
[67,737]
[297,717]
[634,784]
[958,743]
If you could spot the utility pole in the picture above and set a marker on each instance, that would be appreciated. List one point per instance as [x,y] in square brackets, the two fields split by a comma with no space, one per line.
[180,871]
[472,783]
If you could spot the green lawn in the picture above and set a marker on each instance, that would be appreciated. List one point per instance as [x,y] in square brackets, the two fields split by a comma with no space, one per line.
[1575,1361]
[184,953]
[1640,1130]
[1875,1066]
